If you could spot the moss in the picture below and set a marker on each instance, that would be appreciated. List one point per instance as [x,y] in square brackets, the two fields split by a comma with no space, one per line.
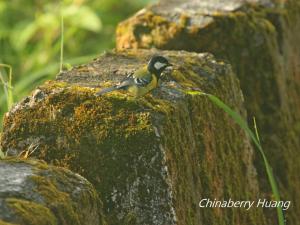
[31,213]
[184,20]
[54,186]
[38,164]
[150,29]
[68,208]
[130,219]
[58,84]
[54,198]
[6,223]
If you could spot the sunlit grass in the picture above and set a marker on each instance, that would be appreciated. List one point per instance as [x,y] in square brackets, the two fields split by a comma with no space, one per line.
[7,85]
[6,82]
[61,43]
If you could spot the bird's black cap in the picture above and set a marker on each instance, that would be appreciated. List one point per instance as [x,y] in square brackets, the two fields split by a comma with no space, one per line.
[157,64]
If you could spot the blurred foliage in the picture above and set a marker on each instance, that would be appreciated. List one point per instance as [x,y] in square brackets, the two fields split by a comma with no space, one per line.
[30,34]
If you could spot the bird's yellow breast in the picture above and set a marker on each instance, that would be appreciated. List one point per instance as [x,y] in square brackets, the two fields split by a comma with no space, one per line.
[138,91]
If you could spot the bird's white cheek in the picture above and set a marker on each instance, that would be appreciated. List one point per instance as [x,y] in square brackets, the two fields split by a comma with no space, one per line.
[159,65]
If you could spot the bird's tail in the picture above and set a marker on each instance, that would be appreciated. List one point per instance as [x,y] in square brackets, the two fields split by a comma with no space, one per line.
[106,90]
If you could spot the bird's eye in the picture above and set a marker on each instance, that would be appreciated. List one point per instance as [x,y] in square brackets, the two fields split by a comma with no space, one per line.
[159,65]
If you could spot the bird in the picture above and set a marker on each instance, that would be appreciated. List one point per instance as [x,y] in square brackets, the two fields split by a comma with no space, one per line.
[142,80]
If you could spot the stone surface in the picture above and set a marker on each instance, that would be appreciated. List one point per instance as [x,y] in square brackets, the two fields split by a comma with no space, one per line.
[33,193]
[151,159]
[260,40]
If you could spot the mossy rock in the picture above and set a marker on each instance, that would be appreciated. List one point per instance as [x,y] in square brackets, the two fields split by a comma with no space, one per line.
[151,159]
[33,193]
[259,39]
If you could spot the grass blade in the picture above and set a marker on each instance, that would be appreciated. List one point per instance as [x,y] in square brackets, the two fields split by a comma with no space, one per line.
[7,85]
[61,44]
[256,130]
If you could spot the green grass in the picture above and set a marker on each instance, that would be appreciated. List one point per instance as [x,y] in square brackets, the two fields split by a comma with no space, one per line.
[8,92]
[7,85]
[61,43]
[255,138]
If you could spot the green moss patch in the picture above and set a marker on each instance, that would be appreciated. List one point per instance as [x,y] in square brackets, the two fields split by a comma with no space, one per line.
[31,213]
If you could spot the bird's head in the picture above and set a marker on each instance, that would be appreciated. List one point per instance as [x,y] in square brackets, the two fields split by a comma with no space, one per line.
[157,64]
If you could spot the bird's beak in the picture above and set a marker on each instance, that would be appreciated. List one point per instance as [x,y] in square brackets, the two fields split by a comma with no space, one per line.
[168,67]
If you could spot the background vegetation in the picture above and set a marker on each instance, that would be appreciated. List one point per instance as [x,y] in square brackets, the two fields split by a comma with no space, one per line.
[30,34]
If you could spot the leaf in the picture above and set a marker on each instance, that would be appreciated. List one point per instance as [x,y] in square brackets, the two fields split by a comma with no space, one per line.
[82,17]
[22,33]
[7,86]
